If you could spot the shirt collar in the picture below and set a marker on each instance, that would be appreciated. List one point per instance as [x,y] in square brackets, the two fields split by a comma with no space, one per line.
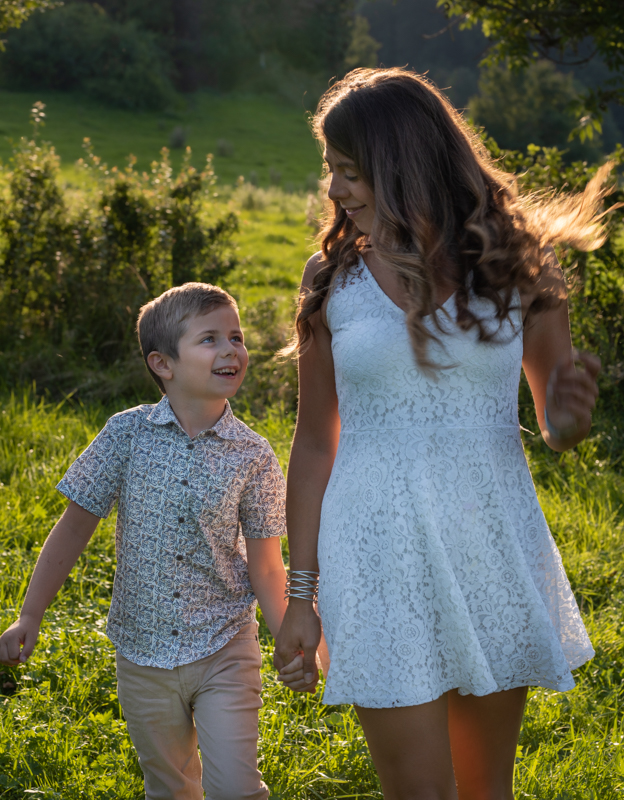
[225,427]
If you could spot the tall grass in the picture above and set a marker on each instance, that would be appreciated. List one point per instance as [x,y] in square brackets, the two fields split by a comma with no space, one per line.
[62,734]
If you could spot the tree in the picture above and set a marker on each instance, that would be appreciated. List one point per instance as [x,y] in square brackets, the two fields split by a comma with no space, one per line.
[567,32]
[530,107]
[362,51]
[14,12]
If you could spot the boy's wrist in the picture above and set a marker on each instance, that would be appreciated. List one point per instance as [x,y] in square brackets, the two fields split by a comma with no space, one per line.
[31,618]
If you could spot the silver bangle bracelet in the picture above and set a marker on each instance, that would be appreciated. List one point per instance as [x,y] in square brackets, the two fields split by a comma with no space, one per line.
[559,433]
[302,584]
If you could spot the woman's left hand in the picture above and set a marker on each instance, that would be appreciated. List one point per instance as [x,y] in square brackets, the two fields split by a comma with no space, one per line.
[292,676]
[571,396]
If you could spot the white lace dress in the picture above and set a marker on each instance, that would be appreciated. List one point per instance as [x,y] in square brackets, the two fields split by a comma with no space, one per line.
[438,570]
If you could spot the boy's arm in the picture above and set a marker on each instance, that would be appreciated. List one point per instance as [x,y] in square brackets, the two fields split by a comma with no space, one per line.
[61,550]
[268,579]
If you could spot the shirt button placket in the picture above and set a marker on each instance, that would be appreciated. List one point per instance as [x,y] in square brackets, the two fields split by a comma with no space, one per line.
[179,557]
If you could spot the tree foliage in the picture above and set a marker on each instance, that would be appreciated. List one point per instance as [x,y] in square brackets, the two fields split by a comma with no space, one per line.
[530,107]
[135,49]
[81,47]
[14,12]
[571,32]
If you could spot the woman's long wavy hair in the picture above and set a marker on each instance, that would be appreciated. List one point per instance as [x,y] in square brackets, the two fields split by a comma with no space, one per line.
[442,208]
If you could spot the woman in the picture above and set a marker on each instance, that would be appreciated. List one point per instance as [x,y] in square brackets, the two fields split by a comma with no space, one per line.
[442,593]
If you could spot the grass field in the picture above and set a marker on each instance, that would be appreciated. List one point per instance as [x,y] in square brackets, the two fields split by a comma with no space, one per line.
[61,730]
[258,134]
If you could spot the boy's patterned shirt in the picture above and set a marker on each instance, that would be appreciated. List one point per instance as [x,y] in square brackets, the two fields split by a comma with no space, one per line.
[181,588]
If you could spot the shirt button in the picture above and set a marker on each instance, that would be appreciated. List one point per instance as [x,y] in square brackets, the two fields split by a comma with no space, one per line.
[179,557]
[174,632]
[176,594]
[184,482]
[190,446]
[180,519]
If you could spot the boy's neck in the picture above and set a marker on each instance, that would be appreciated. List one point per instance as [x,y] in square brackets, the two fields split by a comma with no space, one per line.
[194,414]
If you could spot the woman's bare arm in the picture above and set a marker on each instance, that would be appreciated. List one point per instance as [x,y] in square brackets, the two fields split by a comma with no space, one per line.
[311,460]
[562,380]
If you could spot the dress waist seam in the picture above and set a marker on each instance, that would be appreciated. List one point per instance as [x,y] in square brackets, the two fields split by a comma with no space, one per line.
[494,426]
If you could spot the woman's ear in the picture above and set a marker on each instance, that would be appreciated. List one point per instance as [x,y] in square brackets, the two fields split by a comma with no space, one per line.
[160,365]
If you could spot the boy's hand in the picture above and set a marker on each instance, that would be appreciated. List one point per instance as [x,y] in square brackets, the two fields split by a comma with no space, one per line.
[21,634]
[292,676]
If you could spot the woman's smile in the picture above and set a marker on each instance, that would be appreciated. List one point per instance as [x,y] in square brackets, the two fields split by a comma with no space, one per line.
[351,212]
[346,187]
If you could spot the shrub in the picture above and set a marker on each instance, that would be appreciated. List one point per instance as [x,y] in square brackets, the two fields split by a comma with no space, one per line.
[530,107]
[270,380]
[177,138]
[72,279]
[79,47]
[595,283]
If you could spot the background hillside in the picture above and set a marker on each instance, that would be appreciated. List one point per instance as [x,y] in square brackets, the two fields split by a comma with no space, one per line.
[162,56]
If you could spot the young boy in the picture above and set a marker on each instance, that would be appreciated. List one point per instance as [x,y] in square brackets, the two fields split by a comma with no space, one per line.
[201,512]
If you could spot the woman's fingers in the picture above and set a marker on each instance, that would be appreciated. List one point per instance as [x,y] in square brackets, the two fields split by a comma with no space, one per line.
[572,391]
[296,682]
[300,633]
[292,677]
[591,362]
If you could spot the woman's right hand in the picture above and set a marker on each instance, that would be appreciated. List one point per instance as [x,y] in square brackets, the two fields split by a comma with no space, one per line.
[299,635]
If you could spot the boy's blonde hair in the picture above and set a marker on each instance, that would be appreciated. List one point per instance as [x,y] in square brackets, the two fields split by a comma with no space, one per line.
[163,321]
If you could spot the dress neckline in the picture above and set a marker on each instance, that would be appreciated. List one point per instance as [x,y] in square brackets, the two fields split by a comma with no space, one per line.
[443,307]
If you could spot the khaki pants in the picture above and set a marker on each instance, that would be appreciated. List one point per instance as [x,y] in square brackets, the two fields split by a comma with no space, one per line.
[214,701]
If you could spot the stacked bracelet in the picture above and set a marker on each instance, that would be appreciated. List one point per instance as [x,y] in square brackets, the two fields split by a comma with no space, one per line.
[559,433]
[302,584]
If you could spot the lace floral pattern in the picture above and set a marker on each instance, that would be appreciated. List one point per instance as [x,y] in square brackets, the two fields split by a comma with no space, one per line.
[438,570]
[181,588]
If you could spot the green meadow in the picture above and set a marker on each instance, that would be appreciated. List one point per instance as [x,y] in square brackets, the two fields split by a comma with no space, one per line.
[62,734]
[247,135]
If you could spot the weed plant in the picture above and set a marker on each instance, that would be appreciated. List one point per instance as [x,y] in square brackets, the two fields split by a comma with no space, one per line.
[62,734]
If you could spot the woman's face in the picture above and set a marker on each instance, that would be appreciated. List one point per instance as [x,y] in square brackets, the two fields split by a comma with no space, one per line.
[347,188]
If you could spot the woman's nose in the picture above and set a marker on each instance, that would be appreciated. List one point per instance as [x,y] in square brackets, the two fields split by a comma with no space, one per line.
[338,190]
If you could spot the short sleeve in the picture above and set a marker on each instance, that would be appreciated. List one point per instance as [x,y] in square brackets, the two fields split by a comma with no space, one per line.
[262,509]
[94,480]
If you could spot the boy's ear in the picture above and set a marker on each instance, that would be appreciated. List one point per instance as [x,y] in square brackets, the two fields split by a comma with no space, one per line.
[160,365]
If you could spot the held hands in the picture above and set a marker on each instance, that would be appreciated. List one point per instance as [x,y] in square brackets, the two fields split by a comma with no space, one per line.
[571,395]
[295,649]
[18,641]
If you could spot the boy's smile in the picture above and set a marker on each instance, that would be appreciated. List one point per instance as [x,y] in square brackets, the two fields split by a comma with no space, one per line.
[212,357]
[210,367]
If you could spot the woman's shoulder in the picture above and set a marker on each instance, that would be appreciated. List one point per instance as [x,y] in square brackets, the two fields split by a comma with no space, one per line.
[550,286]
[313,266]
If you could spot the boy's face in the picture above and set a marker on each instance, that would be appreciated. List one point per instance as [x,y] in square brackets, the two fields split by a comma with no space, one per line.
[212,357]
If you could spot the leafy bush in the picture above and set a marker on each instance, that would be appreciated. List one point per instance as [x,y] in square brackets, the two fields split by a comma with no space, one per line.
[595,282]
[79,47]
[73,278]
[270,380]
[531,107]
